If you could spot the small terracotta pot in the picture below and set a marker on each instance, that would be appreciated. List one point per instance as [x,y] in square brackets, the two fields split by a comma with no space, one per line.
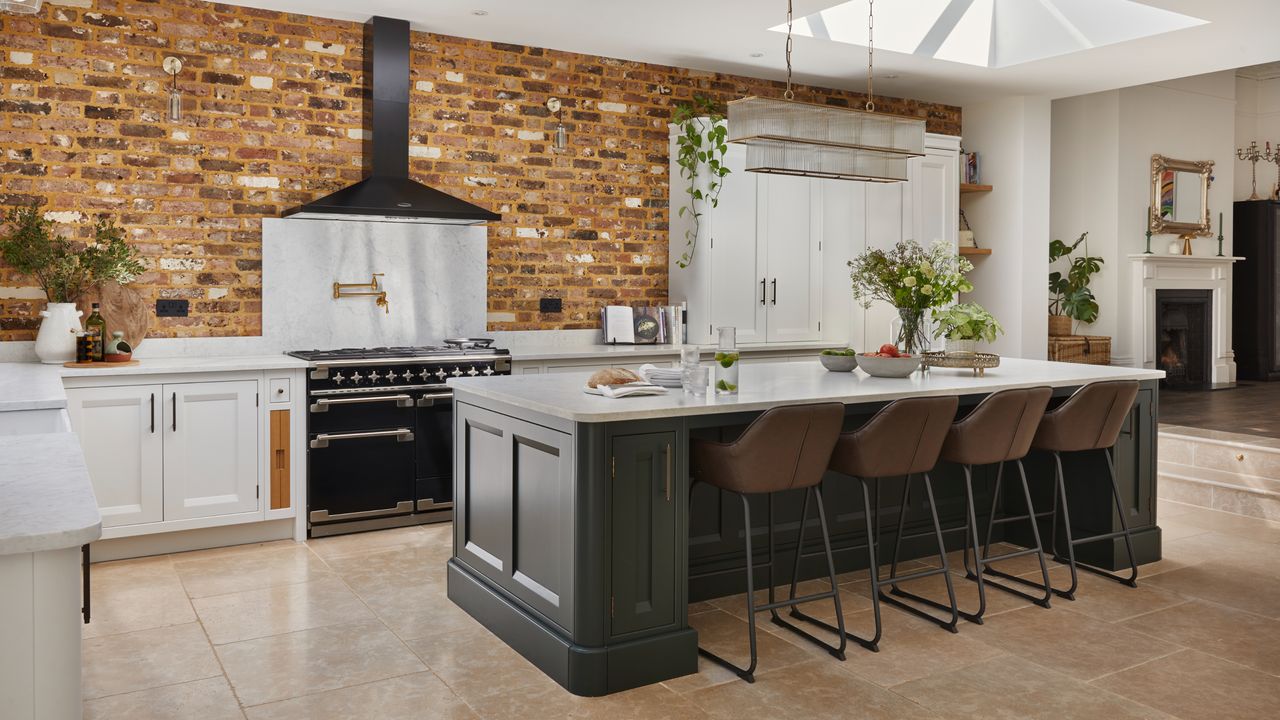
[117,357]
[1059,325]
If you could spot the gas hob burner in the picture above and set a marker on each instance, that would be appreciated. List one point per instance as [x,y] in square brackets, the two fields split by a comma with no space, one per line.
[462,347]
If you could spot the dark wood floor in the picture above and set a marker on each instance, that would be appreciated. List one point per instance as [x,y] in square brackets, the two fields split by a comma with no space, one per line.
[1250,408]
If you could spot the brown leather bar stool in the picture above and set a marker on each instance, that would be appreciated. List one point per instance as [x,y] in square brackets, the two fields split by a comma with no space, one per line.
[902,439]
[997,431]
[785,448]
[1089,420]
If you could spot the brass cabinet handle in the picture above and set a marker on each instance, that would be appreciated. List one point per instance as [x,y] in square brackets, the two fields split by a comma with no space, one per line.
[668,472]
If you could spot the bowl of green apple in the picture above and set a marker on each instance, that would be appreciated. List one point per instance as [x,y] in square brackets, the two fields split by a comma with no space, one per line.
[839,359]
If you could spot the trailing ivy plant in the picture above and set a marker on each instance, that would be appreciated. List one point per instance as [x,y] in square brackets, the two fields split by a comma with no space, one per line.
[700,144]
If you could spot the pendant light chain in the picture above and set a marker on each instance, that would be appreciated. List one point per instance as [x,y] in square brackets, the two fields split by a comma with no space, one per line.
[789,94]
[871,51]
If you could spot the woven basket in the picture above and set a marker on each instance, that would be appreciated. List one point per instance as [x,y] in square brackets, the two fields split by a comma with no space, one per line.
[1059,325]
[1086,349]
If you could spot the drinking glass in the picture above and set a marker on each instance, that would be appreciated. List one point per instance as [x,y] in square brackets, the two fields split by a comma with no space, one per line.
[699,378]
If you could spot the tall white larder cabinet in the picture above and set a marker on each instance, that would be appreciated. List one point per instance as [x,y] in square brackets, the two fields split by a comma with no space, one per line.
[771,259]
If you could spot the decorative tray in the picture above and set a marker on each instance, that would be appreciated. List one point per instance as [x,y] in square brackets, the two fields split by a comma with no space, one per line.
[978,362]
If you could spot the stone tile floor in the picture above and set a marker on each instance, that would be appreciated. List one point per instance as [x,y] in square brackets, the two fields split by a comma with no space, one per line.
[359,627]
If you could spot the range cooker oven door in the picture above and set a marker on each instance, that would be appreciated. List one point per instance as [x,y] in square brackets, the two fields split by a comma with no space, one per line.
[434,439]
[361,457]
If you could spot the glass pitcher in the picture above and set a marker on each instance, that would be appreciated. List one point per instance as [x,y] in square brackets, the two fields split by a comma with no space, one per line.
[727,361]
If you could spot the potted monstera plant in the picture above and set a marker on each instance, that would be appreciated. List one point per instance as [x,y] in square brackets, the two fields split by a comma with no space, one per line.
[1069,295]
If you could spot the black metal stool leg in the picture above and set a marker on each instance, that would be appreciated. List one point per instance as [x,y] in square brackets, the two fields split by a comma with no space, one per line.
[893,580]
[902,524]
[1037,550]
[793,602]
[747,673]
[1060,496]
[1132,579]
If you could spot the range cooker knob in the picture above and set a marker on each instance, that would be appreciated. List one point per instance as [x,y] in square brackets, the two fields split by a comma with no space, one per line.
[441,374]
[424,375]
[375,376]
[457,371]
[472,372]
[357,378]
[488,371]
[338,379]
[391,376]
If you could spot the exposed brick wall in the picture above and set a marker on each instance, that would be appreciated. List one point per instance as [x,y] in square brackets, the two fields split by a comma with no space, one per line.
[272,119]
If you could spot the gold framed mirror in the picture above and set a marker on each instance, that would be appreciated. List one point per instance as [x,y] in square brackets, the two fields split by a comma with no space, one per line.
[1180,196]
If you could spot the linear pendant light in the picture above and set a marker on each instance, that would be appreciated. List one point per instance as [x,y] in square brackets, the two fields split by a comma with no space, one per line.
[789,137]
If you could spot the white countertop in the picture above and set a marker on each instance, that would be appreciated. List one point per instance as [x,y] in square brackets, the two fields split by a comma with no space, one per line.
[46,499]
[191,364]
[522,351]
[31,386]
[766,385]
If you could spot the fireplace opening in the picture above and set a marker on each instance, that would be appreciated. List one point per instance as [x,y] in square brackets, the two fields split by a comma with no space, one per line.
[1183,338]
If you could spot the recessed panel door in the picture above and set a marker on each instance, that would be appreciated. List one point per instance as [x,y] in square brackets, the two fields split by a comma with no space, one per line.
[210,449]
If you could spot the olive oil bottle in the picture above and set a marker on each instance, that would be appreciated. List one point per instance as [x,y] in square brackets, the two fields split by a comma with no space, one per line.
[96,328]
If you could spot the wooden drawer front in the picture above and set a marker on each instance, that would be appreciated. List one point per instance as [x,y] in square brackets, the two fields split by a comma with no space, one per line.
[279,458]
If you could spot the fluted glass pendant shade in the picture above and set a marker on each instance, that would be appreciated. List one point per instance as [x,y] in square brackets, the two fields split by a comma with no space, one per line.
[798,138]
[21,7]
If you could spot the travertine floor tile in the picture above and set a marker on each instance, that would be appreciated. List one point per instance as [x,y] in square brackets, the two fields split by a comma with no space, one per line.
[1106,600]
[912,648]
[1070,643]
[1235,588]
[1229,634]
[309,661]
[209,699]
[281,609]
[249,570]
[131,595]
[1010,688]
[1196,686]
[417,610]
[549,700]
[729,637]
[850,600]
[474,663]
[115,664]
[368,543]
[813,690]
[420,696]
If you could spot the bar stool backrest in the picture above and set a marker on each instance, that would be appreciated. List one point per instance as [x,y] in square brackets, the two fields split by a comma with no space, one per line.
[786,447]
[1090,419]
[904,438]
[1000,428]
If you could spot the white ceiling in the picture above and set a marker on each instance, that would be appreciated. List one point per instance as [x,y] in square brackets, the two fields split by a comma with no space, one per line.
[721,35]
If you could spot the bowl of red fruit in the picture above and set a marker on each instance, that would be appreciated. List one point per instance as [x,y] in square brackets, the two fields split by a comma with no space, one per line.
[888,363]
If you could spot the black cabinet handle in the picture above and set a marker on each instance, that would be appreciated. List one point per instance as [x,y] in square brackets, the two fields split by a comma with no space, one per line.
[774,301]
[761,291]
[175,412]
[153,413]
[85,564]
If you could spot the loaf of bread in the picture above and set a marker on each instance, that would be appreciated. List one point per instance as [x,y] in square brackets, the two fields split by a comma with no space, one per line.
[612,376]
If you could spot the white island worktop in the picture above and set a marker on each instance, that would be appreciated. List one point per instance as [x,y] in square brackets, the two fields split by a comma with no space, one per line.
[766,385]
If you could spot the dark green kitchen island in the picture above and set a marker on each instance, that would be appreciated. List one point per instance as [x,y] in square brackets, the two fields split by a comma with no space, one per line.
[577,543]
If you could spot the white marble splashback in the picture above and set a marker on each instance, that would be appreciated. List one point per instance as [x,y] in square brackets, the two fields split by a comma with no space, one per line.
[435,278]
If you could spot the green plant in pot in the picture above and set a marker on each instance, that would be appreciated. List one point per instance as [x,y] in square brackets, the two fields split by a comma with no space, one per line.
[700,148]
[964,326]
[1069,295]
[65,269]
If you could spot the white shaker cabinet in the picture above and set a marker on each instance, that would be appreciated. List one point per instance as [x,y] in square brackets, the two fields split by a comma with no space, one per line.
[121,430]
[159,453]
[728,280]
[210,449]
[790,221]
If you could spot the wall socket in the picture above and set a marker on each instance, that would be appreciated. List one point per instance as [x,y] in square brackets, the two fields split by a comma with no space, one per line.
[172,308]
[550,305]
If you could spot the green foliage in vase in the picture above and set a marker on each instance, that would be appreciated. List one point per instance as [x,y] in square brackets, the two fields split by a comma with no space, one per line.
[910,277]
[966,321]
[1069,294]
[64,268]
[700,144]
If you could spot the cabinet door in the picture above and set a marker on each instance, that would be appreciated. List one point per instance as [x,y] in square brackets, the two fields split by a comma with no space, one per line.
[737,261]
[884,209]
[120,433]
[644,551]
[935,197]
[791,231]
[210,449]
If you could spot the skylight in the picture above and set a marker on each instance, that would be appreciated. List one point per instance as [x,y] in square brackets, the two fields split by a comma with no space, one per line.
[992,33]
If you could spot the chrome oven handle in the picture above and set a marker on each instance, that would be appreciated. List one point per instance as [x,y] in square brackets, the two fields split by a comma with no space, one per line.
[430,399]
[322,405]
[323,439]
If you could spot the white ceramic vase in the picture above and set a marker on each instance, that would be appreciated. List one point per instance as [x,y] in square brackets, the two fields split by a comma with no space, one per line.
[56,341]
[962,348]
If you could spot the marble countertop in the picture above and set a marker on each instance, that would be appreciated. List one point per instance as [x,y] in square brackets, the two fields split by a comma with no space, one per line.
[31,386]
[46,499]
[766,385]
[191,364]
[521,351]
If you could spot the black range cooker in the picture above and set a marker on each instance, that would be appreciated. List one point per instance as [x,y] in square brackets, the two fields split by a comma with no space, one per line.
[380,432]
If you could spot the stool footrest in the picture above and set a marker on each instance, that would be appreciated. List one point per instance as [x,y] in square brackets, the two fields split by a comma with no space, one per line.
[949,625]
[1041,601]
[871,645]
[895,579]
[1020,518]
[1104,536]
[1009,555]
[792,602]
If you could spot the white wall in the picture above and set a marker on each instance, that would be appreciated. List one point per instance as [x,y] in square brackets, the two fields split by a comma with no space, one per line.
[1012,138]
[1257,118]
[1102,147]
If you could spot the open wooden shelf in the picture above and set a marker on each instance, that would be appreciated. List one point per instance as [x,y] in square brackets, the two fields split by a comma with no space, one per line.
[966,188]
[975,251]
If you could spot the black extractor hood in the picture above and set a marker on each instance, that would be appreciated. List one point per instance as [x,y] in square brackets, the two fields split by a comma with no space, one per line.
[388,194]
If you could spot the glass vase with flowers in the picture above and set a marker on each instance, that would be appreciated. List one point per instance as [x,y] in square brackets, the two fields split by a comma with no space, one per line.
[913,279]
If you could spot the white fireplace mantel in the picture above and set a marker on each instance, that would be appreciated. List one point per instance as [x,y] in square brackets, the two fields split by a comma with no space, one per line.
[1181,272]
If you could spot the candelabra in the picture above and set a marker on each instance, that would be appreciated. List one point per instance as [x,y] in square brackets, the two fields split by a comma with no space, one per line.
[1253,154]
[1274,157]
